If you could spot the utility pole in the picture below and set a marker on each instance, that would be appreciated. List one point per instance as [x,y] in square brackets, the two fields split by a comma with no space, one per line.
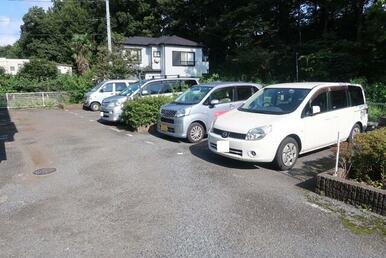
[108,26]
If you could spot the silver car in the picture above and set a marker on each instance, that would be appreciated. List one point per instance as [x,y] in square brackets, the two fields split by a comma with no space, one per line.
[111,108]
[193,112]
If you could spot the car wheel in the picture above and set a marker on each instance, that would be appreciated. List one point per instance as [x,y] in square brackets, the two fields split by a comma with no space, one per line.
[287,154]
[354,131]
[95,106]
[196,132]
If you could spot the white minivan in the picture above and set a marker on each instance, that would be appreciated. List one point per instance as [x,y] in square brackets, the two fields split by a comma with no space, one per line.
[281,121]
[93,98]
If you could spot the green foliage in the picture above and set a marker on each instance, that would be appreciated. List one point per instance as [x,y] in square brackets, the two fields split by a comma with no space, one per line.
[143,111]
[375,112]
[81,48]
[115,65]
[368,158]
[39,69]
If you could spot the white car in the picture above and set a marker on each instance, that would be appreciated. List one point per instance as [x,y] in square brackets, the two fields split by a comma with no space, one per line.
[281,121]
[93,99]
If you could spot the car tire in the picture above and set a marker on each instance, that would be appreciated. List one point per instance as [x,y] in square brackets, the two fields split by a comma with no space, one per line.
[95,106]
[356,129]
[196,132]
[287,154]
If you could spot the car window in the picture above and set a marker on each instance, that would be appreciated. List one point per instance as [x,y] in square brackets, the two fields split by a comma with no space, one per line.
[171,86]
[319,99]
[108,87]
[223,95]
[356,96]
[338,98]
[120,86]
[244,92]
[186,84]
[154,87]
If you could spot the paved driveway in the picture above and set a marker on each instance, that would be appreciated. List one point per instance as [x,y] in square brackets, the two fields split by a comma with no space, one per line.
[117,193]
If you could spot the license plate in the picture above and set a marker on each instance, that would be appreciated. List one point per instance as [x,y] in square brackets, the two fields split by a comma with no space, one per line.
[164,127]
[101,113]
[222,146]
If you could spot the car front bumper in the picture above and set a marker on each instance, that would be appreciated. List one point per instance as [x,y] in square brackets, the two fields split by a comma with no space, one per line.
[111,114]
[239,149]
[175,126]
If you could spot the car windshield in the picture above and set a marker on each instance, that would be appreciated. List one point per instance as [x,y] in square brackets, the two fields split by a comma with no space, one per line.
[133,87]
[96,87]
[193,95]
[275,101]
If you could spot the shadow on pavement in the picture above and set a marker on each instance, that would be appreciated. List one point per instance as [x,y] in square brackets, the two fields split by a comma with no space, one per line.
[309,169]
[7,132]
[202,151]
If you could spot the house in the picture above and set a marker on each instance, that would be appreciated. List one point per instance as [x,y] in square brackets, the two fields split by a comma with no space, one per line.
[13,66]
[166,55]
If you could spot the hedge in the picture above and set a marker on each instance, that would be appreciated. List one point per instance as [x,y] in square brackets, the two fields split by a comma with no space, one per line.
[368,158]
[143,111]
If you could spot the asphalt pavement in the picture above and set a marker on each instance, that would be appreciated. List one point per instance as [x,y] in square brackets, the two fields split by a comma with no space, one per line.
[117,193]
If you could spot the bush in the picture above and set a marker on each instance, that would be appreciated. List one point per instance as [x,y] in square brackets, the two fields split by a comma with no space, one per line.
[143,111]
[375,112]
[39,69]
[368,158]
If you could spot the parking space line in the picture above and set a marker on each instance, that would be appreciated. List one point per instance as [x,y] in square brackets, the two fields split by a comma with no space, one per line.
[91,120]
[130,135]
[148,142]
[180,153]
[115,129]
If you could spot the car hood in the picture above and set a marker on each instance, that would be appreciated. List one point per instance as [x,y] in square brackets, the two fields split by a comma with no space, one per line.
[175,107]
[116,97]
[88,94]
[241,122]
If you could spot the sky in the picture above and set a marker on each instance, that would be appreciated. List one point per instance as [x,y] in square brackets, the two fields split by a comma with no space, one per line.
[11,14]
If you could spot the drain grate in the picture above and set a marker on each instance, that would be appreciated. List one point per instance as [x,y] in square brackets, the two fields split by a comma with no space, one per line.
[44,171]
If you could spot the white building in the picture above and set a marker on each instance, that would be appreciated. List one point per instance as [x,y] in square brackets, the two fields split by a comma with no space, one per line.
[167,55]
[13,66]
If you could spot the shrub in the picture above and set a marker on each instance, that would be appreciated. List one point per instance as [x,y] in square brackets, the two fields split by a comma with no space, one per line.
[143,111]
[368,158]
[39,69]
[375,112]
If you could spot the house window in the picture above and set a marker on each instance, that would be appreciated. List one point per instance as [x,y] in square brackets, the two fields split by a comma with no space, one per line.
[181,58]
[156,53]
[12,68]
[135,55]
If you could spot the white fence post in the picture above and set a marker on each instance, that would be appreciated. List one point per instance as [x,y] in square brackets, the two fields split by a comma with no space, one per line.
[43,99]
[6,98]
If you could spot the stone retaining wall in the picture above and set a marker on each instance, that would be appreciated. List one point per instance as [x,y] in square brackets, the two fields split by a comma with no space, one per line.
[351,192]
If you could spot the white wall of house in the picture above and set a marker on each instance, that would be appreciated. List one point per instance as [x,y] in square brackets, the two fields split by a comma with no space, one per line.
[12,66]
[64,69]
[163,65]
[197,70]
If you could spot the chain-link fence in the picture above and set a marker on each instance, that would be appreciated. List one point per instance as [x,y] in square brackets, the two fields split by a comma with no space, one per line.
[33,99]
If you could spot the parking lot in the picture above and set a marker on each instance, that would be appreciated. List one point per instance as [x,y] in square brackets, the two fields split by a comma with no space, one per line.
[120,193]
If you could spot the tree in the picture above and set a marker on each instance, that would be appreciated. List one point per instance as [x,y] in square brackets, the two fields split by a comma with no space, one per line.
[81,48]
[39,69]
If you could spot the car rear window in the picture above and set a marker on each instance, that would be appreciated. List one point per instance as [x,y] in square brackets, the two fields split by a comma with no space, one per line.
[338,98]
[356,96]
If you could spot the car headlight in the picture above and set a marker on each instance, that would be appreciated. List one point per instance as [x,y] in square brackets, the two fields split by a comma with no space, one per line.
[183,112]
[258,133]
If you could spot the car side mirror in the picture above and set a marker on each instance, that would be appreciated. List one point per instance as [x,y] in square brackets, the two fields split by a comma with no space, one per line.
[101,90]
[315,110]
[214,102]
[145,92]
